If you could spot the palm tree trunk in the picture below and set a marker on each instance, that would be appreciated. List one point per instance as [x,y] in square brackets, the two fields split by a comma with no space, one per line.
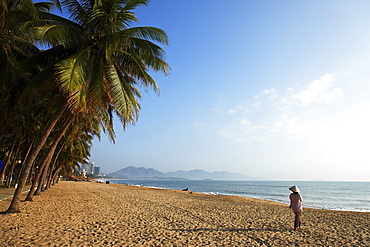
[13,160]
[3,172]
[6,163]
[48,180]
[10,174]
[55,176]
[15,204]
[40,176]
[56,170]
[25,158]
[41,187]
[49,176]
[35,181]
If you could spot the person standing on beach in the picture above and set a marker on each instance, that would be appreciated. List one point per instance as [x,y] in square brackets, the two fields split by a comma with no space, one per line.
[296,205]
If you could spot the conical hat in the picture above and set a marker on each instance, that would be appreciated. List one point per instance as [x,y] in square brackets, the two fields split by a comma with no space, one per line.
[294,189]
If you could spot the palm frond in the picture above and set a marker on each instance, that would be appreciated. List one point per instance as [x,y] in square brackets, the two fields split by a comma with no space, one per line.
[97,86]
[133,4]
[57,4]
[54,35]
[78,12]
[137,41]
[27,6]
[148,33]
[41,83]
[45,57]
[44,6]
[50,18]
[132,66]
[23,47]
[72,73]
[151,55]
[123,96]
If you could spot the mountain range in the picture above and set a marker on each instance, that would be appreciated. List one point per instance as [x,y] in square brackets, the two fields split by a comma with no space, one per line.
[197,174]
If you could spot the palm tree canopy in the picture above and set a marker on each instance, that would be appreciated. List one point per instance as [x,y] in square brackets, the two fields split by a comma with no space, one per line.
[104,59]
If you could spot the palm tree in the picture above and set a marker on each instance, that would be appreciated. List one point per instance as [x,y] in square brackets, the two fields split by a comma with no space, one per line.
[47,160]
[14,49]
[99,62]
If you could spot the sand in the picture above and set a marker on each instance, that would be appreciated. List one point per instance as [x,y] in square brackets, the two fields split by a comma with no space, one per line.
[97,214]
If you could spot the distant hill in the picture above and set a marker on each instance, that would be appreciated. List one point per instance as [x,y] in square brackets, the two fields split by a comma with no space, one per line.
[197,174]
[137,172]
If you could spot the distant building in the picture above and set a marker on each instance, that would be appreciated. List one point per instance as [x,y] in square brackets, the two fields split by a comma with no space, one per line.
[88,168]
[97,170]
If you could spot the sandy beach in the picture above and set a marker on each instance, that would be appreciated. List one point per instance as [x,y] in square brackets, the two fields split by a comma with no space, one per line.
[99,214]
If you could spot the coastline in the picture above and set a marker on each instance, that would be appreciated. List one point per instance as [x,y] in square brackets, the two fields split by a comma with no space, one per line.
[96,214]
[328,196]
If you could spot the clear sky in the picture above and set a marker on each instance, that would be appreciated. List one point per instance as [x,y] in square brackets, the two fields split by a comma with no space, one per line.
[272,89]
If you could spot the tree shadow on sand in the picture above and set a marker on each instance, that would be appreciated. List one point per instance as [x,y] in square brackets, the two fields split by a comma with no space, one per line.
[229,230]
[258,240]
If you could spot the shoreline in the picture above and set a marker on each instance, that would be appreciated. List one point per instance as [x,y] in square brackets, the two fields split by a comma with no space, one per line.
[306,205]
[97,214]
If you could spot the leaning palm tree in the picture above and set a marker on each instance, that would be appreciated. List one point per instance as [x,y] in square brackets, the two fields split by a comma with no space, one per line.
[14,49]
[99,63]
[103,59]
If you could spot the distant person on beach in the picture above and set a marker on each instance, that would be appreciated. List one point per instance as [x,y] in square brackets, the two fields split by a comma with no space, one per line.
[296,205]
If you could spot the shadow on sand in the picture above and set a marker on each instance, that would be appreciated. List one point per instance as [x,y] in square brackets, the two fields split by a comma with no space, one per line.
[258,240]
[229,230]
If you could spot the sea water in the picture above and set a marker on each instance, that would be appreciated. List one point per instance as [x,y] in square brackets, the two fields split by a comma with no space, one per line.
[343,196]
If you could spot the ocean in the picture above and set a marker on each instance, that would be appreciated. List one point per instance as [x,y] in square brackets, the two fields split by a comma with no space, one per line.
[342,196]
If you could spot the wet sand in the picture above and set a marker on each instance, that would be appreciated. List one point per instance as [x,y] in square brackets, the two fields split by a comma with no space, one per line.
[97,214]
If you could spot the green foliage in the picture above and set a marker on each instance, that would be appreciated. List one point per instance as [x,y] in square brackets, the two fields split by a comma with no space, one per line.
[93,66]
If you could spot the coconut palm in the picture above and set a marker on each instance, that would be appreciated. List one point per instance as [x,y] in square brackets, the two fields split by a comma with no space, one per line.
[47,160]
[80,130]
[15,47]
[99,63]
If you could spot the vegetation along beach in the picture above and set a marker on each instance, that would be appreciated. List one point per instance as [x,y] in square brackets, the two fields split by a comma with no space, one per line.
[54,101]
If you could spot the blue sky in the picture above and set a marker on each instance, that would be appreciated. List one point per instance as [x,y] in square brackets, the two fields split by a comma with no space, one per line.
[272,89]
